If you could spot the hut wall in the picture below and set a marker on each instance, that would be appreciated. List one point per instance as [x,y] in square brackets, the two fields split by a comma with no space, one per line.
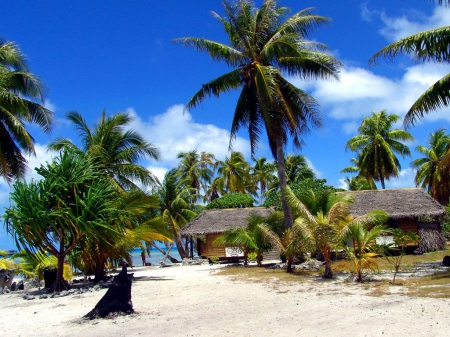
[212,250]
[408,225]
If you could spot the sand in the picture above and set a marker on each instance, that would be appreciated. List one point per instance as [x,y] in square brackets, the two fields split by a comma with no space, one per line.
[194,301]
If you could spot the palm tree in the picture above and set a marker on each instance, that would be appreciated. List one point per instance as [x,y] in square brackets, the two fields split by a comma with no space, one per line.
[263,175]
[432,171]
[377,144]
[118,150]
[362,255]
[363,179]
[427,46]
[324,220]
[195,169]
[235,174]
[21,102]
[263,44]
[175,208]
[259,236]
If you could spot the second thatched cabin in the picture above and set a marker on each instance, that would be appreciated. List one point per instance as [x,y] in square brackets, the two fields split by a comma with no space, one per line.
[409,209]
[210,224]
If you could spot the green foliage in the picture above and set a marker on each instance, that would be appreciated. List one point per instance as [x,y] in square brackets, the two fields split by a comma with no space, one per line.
[252,256]
[273,198]
[394,252]
[234,200]
[257,237]
[74,200]
[214,259]
[21,104]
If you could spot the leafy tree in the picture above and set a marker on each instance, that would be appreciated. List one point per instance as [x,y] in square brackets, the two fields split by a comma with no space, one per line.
[259,235]
[21,102]
[233,200]
[73,200]
[432,169]
[264,43]
[300,188]
[116,149]
[377,144]
[394,252]
[427,46]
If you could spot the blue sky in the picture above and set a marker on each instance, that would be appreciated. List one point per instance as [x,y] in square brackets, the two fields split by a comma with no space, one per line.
[119,56]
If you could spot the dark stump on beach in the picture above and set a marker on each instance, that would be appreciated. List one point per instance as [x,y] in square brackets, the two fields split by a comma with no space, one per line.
[446,261]
[117,299]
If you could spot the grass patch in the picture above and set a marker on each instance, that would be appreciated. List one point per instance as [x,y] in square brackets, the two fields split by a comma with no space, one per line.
[265,275]
[410,261]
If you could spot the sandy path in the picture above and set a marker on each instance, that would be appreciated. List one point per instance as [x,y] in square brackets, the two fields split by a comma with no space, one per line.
[192,301]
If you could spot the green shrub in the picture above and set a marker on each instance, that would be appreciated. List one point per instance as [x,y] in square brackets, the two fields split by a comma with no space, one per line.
[233,200]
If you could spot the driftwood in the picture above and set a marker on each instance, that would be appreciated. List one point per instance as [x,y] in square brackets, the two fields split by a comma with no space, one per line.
[117,299]
[172,259]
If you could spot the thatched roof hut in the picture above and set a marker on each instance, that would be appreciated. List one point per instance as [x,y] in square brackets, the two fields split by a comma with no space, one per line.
[210,224]
[399,203]
[409,209]
[219,220]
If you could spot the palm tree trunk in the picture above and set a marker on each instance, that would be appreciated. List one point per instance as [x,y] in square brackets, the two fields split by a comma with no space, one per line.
[288,221]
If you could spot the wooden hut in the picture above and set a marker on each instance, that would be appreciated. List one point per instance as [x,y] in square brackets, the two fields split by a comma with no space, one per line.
[409,209]
[212,223]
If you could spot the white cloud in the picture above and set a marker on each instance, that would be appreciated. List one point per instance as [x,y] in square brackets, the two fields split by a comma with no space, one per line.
[360,92]
[172,132]
[413,22]
[405,179]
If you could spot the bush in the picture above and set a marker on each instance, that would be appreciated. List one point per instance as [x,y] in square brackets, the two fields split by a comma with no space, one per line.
[234,200]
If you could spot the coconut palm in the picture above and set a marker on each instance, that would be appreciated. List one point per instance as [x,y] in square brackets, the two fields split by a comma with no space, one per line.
[427,46]
[259,236]
[264,43]
[362,255]
[235,174]
[362,181]
[263,175]
[194,168]
[324,220]
[432,172]
[377,144]
[115,148]
[175,208]
[73,200]
[21,102]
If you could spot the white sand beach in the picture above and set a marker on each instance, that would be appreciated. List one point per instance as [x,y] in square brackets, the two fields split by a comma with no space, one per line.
[194,301]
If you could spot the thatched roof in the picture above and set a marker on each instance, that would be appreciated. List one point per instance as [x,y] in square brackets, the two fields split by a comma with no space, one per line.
[219,220]
[399,203]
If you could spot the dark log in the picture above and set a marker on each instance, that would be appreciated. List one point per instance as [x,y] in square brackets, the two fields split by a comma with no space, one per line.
[117,299]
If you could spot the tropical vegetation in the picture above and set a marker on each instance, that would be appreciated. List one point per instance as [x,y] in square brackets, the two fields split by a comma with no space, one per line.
[263,45]
[377,145]
[21,103]
[427,46]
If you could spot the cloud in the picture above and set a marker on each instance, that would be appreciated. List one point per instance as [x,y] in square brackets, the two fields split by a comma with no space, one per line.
[172,132]
[360,91]
[411,23]
[405,179]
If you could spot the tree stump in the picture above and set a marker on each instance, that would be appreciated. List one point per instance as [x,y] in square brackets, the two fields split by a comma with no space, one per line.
[117,299]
